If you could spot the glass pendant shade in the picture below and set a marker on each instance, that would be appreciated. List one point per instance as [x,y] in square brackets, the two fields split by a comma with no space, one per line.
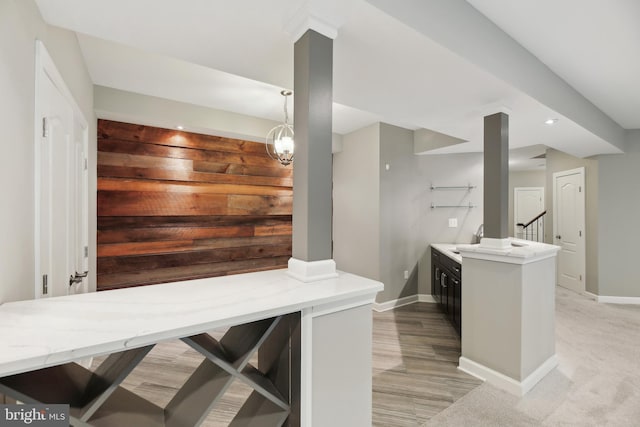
[279,143]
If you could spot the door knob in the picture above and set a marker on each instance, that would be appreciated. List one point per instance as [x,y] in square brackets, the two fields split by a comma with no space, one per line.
[558,237]
[77,278]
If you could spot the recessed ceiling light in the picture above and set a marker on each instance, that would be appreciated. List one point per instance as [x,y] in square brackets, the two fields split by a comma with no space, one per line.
[179,127]
[550,121]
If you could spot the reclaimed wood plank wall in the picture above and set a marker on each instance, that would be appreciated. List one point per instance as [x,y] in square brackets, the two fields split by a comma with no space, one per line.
[174,205]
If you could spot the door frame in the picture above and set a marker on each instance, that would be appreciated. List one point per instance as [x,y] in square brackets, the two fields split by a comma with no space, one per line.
[46,69]
[582,220]
[515,206]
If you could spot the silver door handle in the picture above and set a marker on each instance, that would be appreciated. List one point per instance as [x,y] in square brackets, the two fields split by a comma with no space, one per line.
[558,237]
[77,278]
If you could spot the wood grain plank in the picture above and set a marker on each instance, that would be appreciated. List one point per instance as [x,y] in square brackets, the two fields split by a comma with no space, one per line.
[189,272]
[188,175]
[121,222]
[118,184]
[256,205]
[124,264]
[155,150]
[142,203]
[134,160]
[131,132]
[173,246]
[236,169]
[173,233]
[273,229]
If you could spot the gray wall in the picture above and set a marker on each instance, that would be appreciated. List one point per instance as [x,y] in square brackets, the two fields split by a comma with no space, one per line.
[619,209]
[356,203]
[558,161]
[447,170]
[524,179]
[383,222]
[20,25]
[400,214]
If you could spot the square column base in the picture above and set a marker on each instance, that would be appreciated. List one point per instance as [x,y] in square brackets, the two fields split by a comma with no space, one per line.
[312,271]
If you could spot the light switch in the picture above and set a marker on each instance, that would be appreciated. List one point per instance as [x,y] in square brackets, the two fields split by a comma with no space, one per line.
[453,222]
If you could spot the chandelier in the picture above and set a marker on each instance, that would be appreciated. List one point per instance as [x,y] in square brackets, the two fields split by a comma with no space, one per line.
[280,139]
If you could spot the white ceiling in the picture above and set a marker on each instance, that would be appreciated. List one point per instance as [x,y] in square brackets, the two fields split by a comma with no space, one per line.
[237,56]
[592,44]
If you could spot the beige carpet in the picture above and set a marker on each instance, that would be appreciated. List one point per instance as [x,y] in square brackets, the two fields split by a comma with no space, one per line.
[597,382]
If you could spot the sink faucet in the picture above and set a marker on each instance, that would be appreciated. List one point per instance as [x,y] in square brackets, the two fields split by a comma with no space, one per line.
[479,234]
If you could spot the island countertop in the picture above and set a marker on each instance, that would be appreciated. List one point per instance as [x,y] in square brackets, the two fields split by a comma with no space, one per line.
[50,331]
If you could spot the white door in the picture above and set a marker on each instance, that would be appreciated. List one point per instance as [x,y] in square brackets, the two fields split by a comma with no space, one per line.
[61,186]
[528,203]
[568,227]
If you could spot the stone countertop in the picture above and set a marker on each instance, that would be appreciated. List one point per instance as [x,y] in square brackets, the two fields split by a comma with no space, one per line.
[46,332]
[448,249]
[519,251]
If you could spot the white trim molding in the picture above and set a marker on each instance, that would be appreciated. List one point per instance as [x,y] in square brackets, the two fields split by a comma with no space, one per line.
[617,300]
[312,271]
[518,388]
[411,299]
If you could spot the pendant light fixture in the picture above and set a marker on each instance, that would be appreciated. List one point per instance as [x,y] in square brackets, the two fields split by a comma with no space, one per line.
[280,139]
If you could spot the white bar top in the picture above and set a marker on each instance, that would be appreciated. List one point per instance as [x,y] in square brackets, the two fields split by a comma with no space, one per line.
[518,251]
[45,332]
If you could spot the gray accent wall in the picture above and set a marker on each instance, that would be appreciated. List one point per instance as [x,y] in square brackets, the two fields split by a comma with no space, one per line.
[20,26]
[400,213]
[525,179]
[619,208]
[356,203]
[558,161]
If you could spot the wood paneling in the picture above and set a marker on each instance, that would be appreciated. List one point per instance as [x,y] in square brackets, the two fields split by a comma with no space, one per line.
[175,205]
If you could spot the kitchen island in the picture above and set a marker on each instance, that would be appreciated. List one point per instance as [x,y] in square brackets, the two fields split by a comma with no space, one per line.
[305,354]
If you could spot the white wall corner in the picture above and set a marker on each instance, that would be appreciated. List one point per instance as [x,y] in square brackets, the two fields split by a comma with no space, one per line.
[390,305]
[312,271]
[508,384]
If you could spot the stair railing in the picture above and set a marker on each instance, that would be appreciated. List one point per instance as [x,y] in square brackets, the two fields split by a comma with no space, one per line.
[534,229]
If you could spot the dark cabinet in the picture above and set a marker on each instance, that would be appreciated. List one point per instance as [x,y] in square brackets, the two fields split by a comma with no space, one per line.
[446,286]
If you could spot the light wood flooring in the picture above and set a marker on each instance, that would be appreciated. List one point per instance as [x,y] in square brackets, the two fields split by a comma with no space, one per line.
[415,365]
[415,375]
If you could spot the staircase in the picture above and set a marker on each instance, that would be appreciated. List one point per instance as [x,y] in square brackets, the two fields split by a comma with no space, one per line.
[534,229]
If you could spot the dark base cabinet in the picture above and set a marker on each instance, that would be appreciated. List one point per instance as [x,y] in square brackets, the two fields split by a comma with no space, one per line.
[446,286]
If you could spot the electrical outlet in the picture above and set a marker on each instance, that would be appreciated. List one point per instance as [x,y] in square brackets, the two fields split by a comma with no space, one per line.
[406,274]
[453,222]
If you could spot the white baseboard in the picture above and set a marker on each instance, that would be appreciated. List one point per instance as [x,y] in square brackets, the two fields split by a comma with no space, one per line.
[591,295]
[426,298]
[618,300]
[390,305]
[519,388]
